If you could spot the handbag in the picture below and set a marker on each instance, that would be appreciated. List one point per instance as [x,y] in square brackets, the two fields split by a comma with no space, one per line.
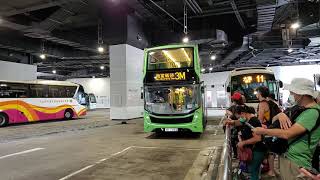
[245,154]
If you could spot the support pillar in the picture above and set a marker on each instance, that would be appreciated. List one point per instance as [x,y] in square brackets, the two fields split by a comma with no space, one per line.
[126,63]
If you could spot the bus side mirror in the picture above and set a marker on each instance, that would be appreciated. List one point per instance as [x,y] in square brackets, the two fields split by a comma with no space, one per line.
[228,89]
[280,84]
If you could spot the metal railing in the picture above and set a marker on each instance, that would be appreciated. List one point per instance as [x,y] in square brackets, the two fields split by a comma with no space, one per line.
[225,167]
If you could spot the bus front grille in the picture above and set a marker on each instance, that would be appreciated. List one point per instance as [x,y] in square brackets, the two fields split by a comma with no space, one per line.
[171,120]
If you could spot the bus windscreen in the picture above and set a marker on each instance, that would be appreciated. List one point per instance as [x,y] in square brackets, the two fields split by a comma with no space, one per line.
[170,58]
[248,83]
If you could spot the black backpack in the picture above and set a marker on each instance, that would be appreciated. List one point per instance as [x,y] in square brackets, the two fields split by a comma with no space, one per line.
[279,145]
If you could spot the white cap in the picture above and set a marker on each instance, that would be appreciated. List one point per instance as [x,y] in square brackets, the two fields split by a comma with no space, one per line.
[302,86]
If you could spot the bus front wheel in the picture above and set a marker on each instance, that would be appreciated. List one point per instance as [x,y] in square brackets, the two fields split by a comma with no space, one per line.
[68,114]
[4,120]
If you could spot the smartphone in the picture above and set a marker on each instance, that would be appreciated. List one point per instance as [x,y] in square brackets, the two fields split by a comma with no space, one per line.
[249,125]
[312,171]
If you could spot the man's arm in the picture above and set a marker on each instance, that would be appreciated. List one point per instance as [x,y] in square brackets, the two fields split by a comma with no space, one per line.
[292,132]
[256,138]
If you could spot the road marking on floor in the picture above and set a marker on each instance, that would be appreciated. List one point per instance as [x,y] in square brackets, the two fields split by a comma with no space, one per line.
[22,152]
[96,163]
[77,172]
[120,152]
[154,147]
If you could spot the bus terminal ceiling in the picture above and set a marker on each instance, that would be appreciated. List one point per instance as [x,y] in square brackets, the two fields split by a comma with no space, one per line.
[236,33]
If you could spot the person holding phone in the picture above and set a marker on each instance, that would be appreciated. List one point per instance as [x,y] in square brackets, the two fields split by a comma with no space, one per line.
[247,121]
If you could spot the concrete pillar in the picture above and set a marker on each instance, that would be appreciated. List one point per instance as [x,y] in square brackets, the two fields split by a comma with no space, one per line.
[125,82]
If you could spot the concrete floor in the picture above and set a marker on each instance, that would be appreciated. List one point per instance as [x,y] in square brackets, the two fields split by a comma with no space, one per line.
[98,148]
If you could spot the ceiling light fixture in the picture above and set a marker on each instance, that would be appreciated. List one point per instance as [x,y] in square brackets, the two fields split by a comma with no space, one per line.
[102,67]
[100,37]
[203,69]
[213,57]
[211,68]
[42,49]
[54,71]
[295,25]
[42,56]
[100,49]
[290,50]
[309,60]
[185,39]
[185,23]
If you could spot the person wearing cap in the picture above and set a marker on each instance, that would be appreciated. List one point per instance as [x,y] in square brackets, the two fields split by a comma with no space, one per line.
[237,100]
[300,153]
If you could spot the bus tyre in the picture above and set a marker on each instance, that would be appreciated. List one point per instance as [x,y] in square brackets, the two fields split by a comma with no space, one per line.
[4,120]
[68,114]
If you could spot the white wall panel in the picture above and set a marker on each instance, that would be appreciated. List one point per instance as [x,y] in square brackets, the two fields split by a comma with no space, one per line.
[17,71]
[100,87]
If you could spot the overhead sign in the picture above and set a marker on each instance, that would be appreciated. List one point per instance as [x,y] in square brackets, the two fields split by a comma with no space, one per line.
[174,76]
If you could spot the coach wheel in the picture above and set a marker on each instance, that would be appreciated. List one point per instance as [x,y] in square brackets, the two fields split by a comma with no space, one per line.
[68,114]
[4,120]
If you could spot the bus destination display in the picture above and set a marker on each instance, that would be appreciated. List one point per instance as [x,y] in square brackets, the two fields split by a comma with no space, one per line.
[253,78]
[174,76]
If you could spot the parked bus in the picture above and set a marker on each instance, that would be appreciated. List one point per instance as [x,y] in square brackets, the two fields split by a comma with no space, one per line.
[246,80]
[39,100]
[173,93]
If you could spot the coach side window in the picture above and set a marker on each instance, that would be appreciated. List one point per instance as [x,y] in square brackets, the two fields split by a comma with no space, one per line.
[13,90]
[39,91]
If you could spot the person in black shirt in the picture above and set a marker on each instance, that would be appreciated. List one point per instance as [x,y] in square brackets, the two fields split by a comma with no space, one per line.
[249,139]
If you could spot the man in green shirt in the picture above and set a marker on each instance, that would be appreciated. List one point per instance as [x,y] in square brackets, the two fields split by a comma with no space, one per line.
[300,152]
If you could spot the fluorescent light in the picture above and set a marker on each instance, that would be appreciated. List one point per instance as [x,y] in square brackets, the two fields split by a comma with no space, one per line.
[54,71]
[171,58]
[295,25]
[213,57]
[100,49]
[310,60]
[185,39]
[210,68]
[290,50]
[42,56]
[185,53]
[102,67]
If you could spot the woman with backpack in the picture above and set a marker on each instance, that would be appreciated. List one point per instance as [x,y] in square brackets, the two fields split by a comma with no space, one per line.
[303,136]
[267,109]
[249,139]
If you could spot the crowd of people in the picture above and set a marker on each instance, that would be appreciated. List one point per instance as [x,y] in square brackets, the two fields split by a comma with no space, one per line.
[268,132]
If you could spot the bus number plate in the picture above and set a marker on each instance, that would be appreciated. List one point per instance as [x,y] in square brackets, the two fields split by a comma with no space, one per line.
[171,129]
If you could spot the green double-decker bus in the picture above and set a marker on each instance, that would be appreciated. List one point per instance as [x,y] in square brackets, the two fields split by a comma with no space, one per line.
[173,93]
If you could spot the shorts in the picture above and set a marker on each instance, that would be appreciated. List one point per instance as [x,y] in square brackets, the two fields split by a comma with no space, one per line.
[289,170]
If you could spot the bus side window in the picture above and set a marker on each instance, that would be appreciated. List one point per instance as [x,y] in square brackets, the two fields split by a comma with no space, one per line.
[70,91]
[57,92]
[39,91]
[14,90]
